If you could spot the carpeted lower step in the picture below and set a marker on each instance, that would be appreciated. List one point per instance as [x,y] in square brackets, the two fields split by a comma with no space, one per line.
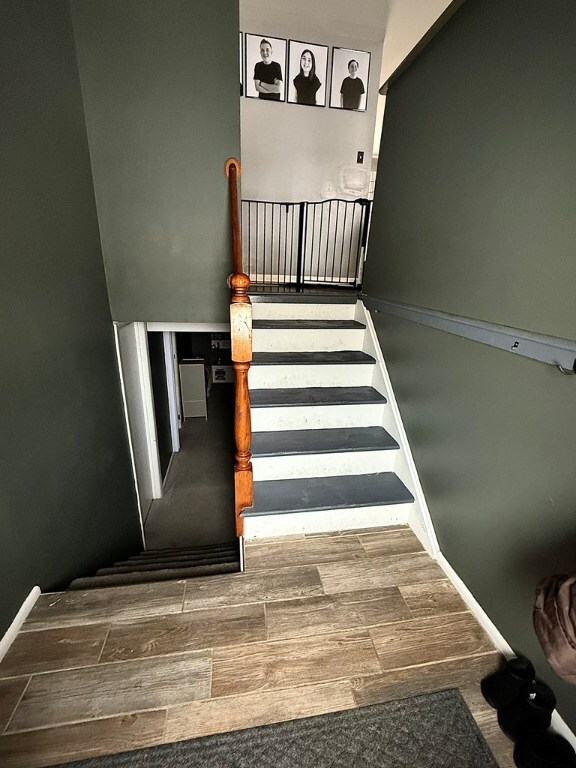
[166,565]
[130,567]
[190,550]
[179,557]
[170,574]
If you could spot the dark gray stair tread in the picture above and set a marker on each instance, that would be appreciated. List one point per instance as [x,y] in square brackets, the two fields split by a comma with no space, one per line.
[267,398]
[303,441]
[308,324]
[159,566]
[311,494]
[346,357]
[170,574]
[303,298]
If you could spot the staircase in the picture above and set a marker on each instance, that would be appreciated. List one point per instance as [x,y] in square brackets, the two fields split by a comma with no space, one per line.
[325,444]
[165,565]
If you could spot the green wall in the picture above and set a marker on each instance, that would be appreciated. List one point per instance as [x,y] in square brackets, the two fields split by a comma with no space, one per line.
[67,500]
[474,215]
[161,93]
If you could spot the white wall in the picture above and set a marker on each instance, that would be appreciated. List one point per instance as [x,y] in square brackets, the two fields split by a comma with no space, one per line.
[408,22]
[290,150]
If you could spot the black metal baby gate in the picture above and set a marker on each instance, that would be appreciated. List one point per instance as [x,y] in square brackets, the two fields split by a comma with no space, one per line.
[303,243]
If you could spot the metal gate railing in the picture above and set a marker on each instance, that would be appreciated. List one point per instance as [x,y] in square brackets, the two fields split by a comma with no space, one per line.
[305,243]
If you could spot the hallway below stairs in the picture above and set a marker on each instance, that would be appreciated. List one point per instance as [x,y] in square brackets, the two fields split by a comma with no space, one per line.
[197,508]
[317,623]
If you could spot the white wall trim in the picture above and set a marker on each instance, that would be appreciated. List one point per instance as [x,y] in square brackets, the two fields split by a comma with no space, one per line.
[171,383]
[127,420]
[502,645]
[19,619]
[425,524]
[148,401]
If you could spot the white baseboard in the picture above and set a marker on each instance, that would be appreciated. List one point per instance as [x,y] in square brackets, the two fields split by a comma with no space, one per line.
[480,614]
[19,619]
[502,645]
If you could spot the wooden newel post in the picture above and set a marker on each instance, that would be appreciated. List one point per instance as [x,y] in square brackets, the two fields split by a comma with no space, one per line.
[241,343]
[241,349]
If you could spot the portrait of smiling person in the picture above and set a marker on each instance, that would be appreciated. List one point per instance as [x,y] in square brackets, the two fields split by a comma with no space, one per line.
[308,70]
[265,66]
[350,72]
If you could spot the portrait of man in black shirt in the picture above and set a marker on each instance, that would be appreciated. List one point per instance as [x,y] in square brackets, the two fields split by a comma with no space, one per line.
[268,74]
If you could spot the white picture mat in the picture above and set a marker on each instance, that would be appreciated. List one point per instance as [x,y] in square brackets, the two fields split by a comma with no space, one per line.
[321,56]
[340,59]
[252,56]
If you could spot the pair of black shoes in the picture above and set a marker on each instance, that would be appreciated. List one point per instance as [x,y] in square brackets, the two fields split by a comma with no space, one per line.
[525,708]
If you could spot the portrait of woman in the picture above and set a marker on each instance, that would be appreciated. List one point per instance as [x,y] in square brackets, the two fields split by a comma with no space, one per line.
[308,69]
[306,81]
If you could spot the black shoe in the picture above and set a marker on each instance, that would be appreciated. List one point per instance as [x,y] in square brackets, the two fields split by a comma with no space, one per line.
[502,687]
[543,749]
[532,710]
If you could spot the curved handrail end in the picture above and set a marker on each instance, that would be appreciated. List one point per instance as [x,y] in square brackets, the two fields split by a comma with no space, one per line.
[232,162]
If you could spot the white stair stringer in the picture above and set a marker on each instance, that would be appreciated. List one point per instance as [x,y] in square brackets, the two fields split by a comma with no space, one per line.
[419,519]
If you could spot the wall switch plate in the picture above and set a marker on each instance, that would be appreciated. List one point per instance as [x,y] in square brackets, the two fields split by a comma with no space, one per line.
[360,157]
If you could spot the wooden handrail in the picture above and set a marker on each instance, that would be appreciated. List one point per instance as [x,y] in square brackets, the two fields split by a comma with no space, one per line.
[241,348]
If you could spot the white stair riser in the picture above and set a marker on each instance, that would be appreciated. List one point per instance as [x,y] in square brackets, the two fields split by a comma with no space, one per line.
[326,520]
[307,339]
[292,376]
[323,464]
[288,311]
[316,417]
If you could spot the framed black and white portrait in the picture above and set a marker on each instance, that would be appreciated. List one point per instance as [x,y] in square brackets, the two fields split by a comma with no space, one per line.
[307,73]
[265,58]
[350,75]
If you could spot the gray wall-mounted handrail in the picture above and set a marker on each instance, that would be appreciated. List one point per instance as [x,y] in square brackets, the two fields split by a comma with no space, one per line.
[560,353]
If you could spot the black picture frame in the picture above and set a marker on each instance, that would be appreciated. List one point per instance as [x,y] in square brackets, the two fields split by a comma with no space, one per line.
[342,58]
[241,61]
[305,94]
[253,56]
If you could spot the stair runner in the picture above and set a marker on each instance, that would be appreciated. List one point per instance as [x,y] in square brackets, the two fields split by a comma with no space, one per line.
[316,448]
[165,565]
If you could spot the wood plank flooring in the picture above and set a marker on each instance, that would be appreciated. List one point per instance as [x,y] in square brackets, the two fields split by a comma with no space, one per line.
[317,624]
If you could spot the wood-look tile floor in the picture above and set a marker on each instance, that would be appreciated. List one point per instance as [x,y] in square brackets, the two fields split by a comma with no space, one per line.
[317,624]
